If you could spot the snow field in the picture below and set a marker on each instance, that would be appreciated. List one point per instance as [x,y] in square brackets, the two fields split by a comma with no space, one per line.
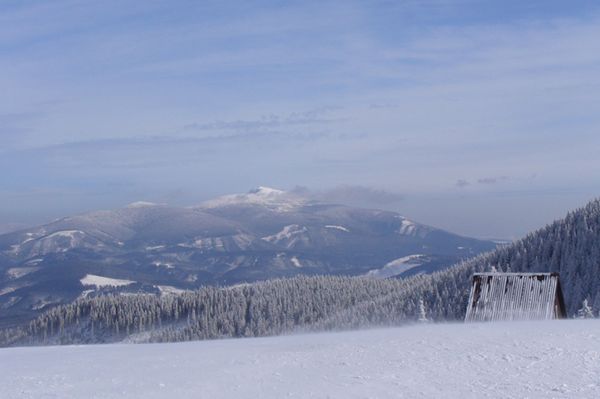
[559,359]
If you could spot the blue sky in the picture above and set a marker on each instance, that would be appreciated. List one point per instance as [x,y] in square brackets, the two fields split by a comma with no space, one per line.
[480,117]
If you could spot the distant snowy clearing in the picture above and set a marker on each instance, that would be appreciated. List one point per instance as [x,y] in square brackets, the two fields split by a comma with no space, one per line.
[397,266]
[558,359]
[99,281]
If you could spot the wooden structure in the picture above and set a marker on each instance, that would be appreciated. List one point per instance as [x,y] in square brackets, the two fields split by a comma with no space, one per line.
[515,296]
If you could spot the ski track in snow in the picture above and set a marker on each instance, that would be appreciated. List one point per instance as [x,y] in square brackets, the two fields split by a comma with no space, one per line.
[559,359]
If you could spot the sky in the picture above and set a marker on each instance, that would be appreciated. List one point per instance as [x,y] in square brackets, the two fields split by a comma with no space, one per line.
[480,117]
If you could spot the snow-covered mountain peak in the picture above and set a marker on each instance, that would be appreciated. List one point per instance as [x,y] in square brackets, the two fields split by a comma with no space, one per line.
[266,196]
[266,191]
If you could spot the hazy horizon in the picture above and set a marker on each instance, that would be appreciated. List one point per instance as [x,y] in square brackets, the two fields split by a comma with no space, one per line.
[365,197]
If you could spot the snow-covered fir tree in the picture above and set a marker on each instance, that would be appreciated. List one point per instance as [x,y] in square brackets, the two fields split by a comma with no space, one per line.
[585,312]
[422,313]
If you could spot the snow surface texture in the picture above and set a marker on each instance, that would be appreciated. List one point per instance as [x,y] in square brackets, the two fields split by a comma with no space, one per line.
[549,359]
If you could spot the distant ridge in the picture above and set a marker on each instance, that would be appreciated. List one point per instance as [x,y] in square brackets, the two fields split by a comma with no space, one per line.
[262,234]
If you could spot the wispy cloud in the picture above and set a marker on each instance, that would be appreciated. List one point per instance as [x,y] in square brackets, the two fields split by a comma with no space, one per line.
[352,195]
[492,180]
[462,183]
[312,117]
[489,181]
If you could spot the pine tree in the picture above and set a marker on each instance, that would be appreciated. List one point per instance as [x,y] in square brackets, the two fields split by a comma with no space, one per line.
[422,312]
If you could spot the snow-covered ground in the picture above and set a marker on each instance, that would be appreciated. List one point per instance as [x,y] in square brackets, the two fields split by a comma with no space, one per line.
[100,281]
[397,266]
[558,359]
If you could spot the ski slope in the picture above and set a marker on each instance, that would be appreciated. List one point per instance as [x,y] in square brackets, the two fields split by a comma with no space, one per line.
[559,359]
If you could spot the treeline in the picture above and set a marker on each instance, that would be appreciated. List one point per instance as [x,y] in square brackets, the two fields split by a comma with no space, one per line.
[266,308]
[570,247]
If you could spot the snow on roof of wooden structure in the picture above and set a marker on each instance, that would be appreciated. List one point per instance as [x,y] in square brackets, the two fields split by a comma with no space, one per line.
[515,296]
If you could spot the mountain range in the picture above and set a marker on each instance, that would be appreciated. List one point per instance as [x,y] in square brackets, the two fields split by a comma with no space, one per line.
[569,247]
[235,239]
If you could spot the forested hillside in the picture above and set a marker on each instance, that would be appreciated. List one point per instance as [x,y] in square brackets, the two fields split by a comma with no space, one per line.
[570,247]
[266,308]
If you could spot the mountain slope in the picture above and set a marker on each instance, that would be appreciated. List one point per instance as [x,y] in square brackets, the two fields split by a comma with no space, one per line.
[240,238]
[570,247]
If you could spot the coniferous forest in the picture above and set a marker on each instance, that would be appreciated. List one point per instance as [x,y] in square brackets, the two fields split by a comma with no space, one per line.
[570,247]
